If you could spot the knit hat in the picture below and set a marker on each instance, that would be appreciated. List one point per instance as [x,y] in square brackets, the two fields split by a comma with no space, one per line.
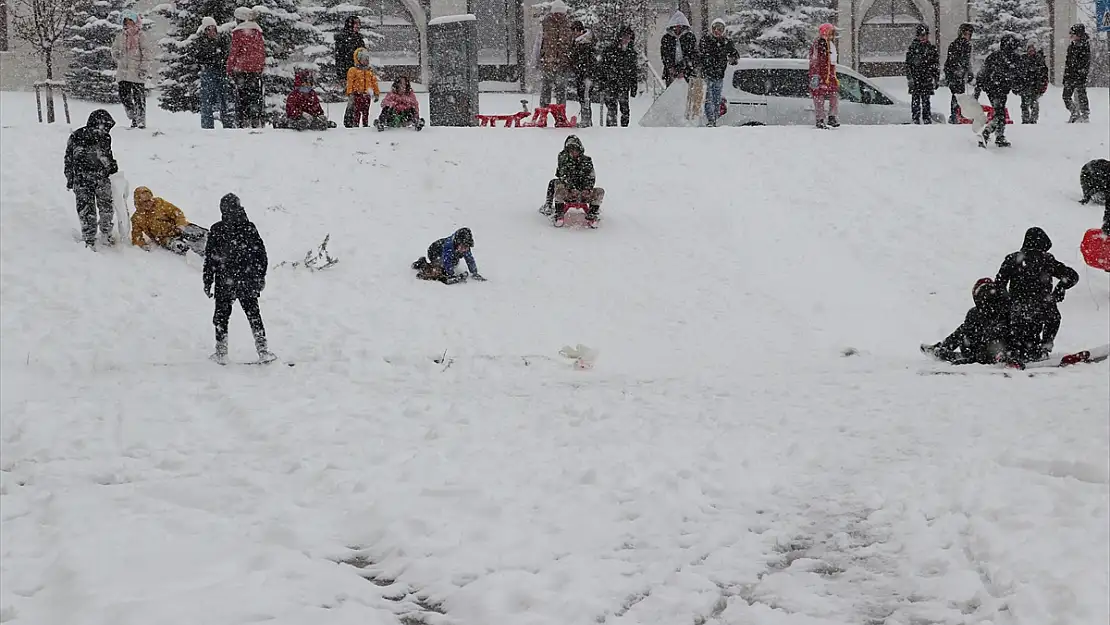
[558,6]
[1078,29]
[245,14]
[826,30]
[205,23]
[128,15]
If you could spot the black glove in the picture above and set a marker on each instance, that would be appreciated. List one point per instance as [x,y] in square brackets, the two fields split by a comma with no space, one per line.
[477,276]
[69,183]
[977,92]
[1058,294]
[208,290]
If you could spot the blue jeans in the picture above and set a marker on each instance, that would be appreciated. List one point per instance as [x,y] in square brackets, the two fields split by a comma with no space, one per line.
[215,91]
[713,99]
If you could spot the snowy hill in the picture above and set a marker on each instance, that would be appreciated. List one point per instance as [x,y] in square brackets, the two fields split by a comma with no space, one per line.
[723,463]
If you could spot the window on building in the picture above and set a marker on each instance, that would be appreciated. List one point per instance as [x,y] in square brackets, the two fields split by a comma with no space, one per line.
[887,30]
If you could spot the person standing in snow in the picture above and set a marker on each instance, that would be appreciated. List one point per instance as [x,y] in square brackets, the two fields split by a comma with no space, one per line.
[717,53]
[1001,74]
[133,56]
[1027,275]
[957,67]
[158,222]
[1033,84]
[679,50]
[552,53]
[981,338]
[347,42]
[823,82]
[211,51]
[235,265]
[444,255]
[245,63]
[617,70]
[922,75]
[361,80]
[88,164]
[583,65]
[1077,66]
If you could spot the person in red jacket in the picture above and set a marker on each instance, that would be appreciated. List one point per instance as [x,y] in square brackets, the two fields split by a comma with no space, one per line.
[400,107]
[302,106]
[822,76]
[245,64]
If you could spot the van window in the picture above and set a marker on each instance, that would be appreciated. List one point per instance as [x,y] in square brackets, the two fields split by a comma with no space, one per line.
[753,81]
[788,83]
[852,90]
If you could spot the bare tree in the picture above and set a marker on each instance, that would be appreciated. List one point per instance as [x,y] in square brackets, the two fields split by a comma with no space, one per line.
[43,23]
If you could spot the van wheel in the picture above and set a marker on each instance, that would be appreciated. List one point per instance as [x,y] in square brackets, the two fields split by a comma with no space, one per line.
[753,124]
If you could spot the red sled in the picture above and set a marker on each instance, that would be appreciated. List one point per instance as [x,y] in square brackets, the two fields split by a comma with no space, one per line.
[960,119]
[1096,249]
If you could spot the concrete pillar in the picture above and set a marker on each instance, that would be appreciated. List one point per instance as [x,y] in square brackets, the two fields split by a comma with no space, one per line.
[1065,13]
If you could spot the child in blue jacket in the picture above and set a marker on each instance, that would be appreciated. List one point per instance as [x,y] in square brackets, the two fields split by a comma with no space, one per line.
[444,255]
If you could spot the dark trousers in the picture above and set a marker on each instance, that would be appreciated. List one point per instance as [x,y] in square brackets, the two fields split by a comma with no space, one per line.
[1075,98]
[392,117]
[956,89]
[223,314]
[614,101]
[249,107]
[133,97]
[582,88]
[921,108]
[997,124]
[1033,325]
[1030,108]
[92,199]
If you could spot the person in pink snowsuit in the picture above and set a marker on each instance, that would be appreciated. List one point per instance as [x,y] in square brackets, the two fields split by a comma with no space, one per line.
[400,107]
[822,76]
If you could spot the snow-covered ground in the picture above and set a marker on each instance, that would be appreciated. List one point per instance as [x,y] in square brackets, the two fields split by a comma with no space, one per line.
[724,462]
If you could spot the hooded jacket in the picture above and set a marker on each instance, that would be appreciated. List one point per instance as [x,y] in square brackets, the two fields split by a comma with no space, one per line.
[88,159]
[445,252]
[1034,74]
[957,63]
[1077,65]
[401,102]
[155,219]
[1027,274]
[361,79]
[132,60]
[685,42]
[987,324]
[716,53]
[618,68]
[302,99]
[577,173]
[1001,72]
[583,57]
[922,67]
[235,259]
[347,44]
[248,49]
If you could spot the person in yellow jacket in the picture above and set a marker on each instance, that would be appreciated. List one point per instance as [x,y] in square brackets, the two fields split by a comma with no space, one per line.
[361,80]
[159,222]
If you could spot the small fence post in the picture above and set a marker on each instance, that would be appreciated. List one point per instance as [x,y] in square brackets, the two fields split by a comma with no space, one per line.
[38,101]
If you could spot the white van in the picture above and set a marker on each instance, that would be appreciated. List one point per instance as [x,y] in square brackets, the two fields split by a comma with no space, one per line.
[775,92]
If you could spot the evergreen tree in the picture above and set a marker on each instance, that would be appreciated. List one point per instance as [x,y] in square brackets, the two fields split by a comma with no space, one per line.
[180,75]
[292,43]
[776,28]
[330,17]
[92,73]
[1026,19]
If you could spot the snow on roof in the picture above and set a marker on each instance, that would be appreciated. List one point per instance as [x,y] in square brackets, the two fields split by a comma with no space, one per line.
[451,19]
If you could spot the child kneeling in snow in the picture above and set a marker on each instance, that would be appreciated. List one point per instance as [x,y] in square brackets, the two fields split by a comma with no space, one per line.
[302,106]
[159,222]
[400,107]
[982,337]
[444,254]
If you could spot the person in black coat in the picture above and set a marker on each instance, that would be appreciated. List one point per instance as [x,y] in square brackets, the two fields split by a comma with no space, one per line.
[1001,74]
[1034,82]
[88,164]
[1077,66]
[210,51]
[235,264]
[679,50]
[1027,276]
[922,74]
[618,70]
[583,66]
[981,338]
[957,67]
[346,42]
[716,53]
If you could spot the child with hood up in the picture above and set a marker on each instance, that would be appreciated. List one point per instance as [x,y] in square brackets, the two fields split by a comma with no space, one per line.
[159,222]
[574,182]
[981,338]
[400,107]
[361,80]
[302,106]
[444,255]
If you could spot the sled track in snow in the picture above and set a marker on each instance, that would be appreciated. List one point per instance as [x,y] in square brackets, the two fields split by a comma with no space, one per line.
[411,607]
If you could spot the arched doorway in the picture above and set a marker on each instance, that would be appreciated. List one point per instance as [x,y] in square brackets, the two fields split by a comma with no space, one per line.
[885,31]
[401,47]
